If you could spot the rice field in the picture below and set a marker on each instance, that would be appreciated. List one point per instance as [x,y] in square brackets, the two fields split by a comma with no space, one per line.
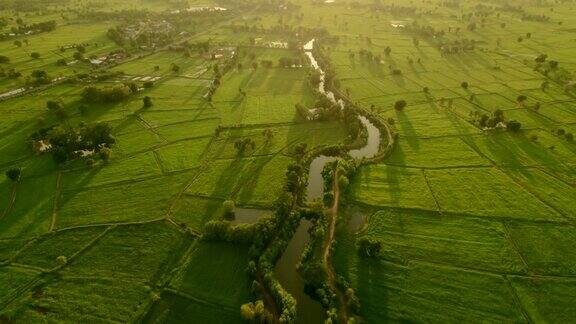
[475,224]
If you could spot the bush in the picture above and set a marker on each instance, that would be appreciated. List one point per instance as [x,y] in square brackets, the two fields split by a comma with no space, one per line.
[62,260]
[4,59]
[464,85]
[35,55]
[53,105]
[147,102]
[228,209]
[521,98]
[14,174]
[106,95]
[513,125]
[369,248]
[400,105]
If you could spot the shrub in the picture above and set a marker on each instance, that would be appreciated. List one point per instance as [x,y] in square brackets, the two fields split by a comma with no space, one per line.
[400,105]
[513,125]
[228,209]
[14,174]
[521,98]
[35,55]
[53,105]
[62,260]
[147,102]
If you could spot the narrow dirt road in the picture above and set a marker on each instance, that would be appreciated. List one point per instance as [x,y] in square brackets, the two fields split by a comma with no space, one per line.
[333,214]
[11,201]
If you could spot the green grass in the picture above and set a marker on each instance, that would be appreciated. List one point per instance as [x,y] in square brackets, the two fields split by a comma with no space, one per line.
[32,210]
[448,239]
[546,300]
[140,252]
[13,282]
[486,192]
[429,293]
[546,248]
[149,199]
[381,185]
[195,211]
[435,153]
[215,273]
[173,308]
[43,252]
[95,300]
[253,181]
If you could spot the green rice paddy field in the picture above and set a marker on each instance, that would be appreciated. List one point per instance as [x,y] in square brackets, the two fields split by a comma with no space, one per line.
[476,225]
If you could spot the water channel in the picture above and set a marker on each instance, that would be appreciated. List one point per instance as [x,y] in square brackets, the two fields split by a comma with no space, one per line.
[309,310]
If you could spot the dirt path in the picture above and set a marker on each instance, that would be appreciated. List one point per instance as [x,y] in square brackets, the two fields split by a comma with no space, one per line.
[268,299]
[55,202]
[327,256]
[11,201]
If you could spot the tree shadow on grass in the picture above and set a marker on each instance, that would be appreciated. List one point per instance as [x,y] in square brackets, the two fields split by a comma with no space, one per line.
[249,178]
[408,129]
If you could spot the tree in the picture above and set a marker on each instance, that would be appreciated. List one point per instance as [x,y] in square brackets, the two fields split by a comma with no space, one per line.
[14,174]
[369,248]
[4,59]
[521,99]
[513,125]
[247,312]
[400,105]
[228,207]
[35,55]
[83,109]
[62,260]
[553,64]
[569,137]
[147,102]
[53,105]
[17,43]
[105,154]
[268,134]
[541,58]
[464,85]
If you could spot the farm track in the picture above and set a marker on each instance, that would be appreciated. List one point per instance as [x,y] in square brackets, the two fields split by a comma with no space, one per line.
[11,201]
[514,246]
[431,191]
[327,255]
[522,185]
[517,300]
[55,202]
[468,215]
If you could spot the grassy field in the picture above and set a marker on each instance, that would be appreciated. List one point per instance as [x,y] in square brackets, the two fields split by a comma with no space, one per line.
[475,224]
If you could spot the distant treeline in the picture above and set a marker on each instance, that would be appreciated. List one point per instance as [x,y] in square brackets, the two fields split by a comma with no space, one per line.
[36,5]
[41,27]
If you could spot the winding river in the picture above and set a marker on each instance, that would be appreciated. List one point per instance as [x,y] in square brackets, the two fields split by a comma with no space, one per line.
[309,310]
